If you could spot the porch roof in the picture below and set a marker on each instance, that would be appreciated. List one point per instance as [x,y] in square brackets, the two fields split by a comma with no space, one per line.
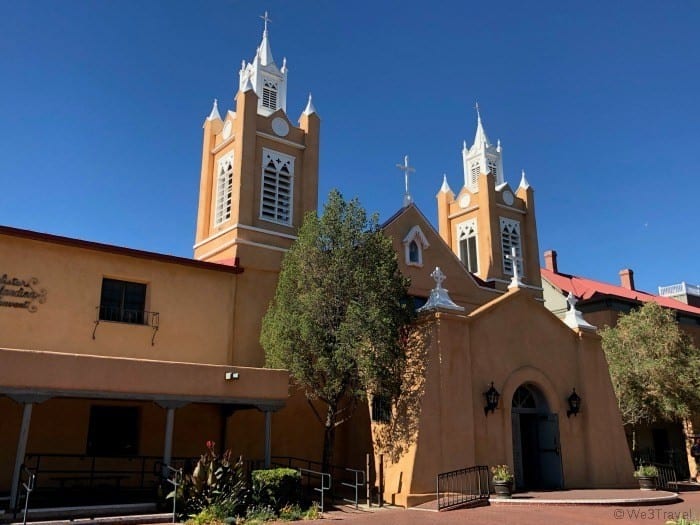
[54,374]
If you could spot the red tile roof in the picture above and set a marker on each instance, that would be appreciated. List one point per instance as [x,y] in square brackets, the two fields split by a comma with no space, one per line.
[589,289]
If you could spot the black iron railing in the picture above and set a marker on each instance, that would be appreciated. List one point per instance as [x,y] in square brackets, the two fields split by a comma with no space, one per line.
[666,476]
[466,486]
[67,479]
[123,315]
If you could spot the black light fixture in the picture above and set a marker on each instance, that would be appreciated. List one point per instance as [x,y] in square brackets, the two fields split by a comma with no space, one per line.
[492,397]
[574,401]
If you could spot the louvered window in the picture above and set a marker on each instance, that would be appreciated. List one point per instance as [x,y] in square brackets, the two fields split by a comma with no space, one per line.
[475,171]
[510,237]
[224,189]
[492,168]
[466,233]
[277,187]
[269,94]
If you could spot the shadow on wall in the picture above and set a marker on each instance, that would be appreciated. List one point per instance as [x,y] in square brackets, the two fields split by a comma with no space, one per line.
[394,437]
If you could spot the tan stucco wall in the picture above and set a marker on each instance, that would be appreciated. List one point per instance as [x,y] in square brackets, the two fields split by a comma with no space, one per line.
[195,305]
[511,341]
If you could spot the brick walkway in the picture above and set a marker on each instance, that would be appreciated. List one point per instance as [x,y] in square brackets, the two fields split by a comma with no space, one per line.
[499,514]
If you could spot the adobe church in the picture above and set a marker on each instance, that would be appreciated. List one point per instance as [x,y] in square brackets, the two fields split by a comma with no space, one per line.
[126,360]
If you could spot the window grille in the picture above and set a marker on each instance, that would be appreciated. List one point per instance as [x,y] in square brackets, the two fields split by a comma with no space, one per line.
[466,233]
[277,187]
[224,190]
[269,95]
[510,237]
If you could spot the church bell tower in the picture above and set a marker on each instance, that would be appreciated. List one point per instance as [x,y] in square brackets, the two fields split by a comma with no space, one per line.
[259,170]
[488,225]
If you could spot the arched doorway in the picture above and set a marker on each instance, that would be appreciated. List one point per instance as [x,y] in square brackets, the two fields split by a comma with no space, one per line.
[536,450]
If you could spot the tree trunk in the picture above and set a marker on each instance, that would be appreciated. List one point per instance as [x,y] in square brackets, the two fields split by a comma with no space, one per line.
[329,437]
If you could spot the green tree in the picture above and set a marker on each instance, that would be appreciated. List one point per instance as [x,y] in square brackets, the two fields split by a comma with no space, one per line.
[340,314]
[655,368]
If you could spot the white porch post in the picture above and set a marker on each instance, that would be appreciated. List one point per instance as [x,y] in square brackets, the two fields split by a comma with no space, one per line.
[169,407]
[21,451]
[268,438]
[168,444]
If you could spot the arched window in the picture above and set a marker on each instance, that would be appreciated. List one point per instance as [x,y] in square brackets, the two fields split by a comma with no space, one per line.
[510,238]
[224,189]
[413,252]
[466,234]
[277,187]
[493,170]
[474,175]
[269,94]
[524,398]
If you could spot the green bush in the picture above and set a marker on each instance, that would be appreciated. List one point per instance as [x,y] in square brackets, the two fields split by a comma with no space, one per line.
[646,471]
[276,488]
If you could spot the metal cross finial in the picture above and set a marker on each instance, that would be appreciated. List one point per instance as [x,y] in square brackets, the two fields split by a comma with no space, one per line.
[438,276]
[406,170]
[266,19]
[513,256]
[572,300]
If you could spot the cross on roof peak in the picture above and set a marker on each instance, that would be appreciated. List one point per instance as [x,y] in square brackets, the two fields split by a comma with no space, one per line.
[267,19]
[407,169]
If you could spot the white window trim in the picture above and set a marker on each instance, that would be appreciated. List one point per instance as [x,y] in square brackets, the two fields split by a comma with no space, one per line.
[415,234]
[220,202]
[289,160]
[514,226]
[465,230]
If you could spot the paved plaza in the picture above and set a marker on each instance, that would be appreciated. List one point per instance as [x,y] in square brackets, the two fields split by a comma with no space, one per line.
[526,514]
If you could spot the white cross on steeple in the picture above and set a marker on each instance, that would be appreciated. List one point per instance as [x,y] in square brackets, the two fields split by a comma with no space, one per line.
[266,19]
[517,260]
[406,170]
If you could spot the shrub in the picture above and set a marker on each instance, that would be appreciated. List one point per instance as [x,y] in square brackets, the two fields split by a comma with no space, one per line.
[646,471]
[276,488]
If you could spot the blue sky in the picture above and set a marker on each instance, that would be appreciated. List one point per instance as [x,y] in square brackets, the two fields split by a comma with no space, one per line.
[102,102]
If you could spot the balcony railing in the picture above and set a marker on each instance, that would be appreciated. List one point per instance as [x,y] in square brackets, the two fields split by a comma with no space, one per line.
[122,315]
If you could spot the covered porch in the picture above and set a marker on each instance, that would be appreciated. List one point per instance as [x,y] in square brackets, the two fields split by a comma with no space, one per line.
[99,430]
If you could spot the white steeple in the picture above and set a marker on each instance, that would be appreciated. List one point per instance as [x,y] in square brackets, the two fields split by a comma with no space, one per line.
[214,115]
[482,157]
[268,81]
[445,187]
[310,109]
[523,182]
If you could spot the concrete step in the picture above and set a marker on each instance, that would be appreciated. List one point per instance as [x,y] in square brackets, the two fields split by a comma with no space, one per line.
[129,514]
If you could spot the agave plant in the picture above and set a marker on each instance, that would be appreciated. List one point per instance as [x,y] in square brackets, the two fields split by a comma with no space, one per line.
[215,481]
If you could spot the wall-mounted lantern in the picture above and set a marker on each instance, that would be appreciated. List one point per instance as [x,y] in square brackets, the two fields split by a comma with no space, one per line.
[492,397]
[574,401]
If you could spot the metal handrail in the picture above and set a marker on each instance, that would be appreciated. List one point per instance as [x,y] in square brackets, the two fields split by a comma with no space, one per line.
[462,487]
[357,485]
[175,481]
[28,486]
[324,476]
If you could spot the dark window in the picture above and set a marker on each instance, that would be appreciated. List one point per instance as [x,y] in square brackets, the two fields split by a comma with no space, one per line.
[413,254]
[467,252]
[113,431]
[122,301]
[381,408]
